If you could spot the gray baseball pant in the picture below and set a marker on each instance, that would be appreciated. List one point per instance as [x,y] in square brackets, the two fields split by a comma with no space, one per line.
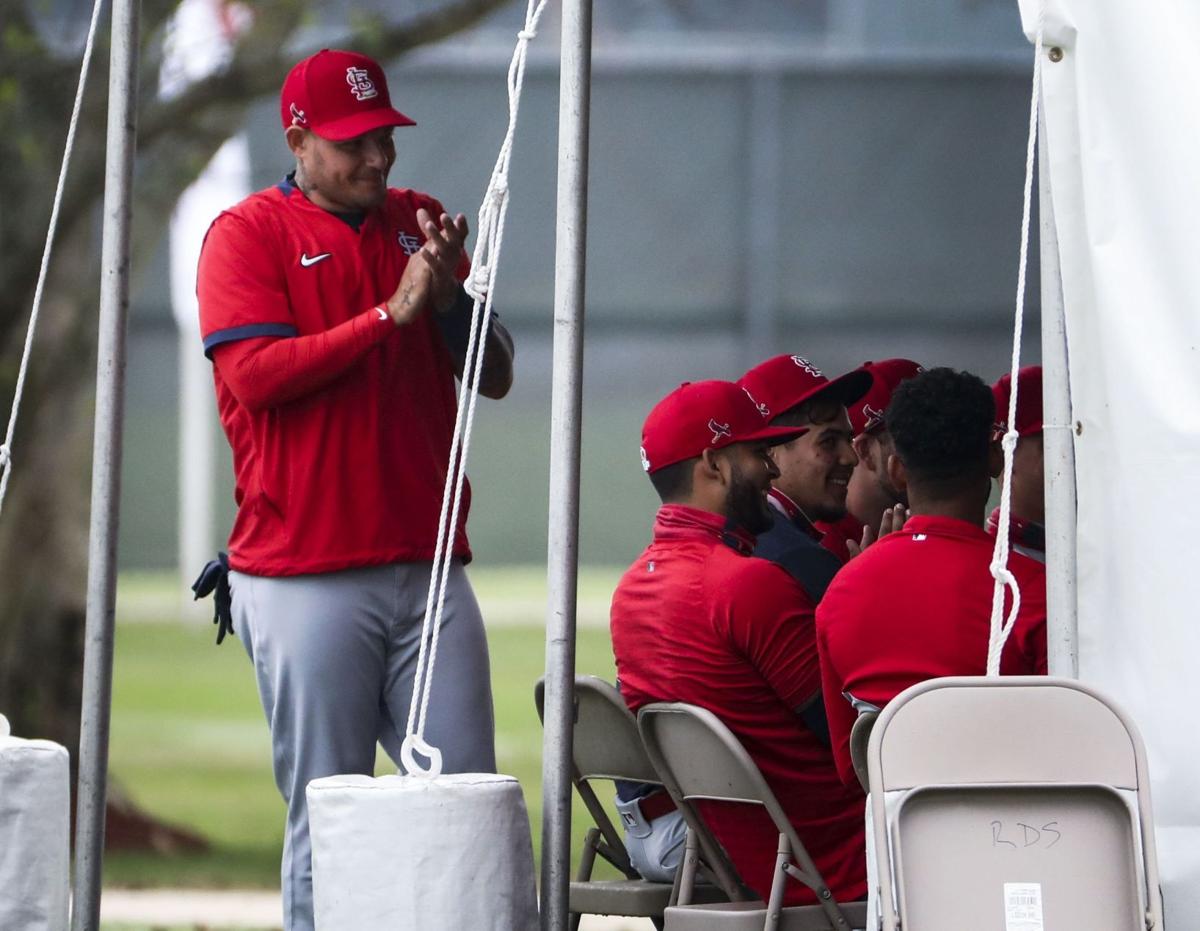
[335,655]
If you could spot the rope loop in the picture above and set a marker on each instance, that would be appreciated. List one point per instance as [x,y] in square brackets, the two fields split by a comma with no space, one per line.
[412,766]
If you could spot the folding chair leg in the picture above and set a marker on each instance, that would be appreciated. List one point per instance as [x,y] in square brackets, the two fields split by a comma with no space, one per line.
[685,877]
[775,903]
[588,858]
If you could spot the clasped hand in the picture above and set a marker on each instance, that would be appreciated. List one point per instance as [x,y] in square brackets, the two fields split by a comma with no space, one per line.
[429,279]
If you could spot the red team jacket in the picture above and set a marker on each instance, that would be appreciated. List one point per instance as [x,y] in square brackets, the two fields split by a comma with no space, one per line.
[345,466]
[917,605]
[699,621]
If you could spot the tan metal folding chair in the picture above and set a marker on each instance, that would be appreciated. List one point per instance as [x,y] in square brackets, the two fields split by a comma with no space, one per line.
[699,758]
[1010,803]
[606,745]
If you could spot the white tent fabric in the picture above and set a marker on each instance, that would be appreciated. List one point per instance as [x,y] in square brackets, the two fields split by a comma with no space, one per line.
[1122,137]
[35,799]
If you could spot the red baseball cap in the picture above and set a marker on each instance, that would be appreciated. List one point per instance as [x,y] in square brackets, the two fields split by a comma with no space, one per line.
[780,383]
[704,415]
[338,95]
[1029,401]
[866,413]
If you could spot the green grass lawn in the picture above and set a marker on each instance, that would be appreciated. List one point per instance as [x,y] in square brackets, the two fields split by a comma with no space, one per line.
[189,742]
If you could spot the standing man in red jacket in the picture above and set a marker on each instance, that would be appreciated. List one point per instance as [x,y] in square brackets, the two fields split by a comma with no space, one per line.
[332,310]
[698,619]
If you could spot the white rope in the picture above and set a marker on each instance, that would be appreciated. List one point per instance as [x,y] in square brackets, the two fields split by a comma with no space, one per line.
[1001,627]
[485,263]
[6,458]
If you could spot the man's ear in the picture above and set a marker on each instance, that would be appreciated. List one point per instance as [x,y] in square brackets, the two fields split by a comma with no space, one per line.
[862,449]
[711,467]
[296,137]
[995,459]
[897,473]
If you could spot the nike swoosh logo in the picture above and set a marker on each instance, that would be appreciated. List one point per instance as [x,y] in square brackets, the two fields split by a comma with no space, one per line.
[382,313]
[306,261]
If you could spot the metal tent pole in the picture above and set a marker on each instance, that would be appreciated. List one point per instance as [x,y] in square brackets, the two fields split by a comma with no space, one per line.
[106,467]
[565,426]
[1062,620]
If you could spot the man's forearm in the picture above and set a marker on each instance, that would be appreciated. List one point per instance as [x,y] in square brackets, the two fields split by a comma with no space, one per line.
[497,376]
[455,325]
[267,372]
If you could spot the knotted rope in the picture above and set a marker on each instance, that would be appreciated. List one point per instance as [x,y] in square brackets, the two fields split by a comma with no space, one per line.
[481,285]
[1001,627]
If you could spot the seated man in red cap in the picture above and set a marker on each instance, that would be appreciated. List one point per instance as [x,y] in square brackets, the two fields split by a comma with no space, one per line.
[332,310]
[872,499]
[1027,518]
[814,469]
[698,619]
[917,604]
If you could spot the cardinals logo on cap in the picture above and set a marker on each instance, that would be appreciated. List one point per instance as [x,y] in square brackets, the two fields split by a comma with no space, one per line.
[762,408]
[645,458]
[361,84]
[873,415]
[298,117]
[719,430]
[807,366]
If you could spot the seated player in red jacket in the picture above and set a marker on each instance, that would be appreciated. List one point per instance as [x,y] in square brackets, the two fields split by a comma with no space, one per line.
[917,604]
[698,619]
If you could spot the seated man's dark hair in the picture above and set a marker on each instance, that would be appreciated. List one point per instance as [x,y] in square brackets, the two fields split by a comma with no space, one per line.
[941,424]
[674,482]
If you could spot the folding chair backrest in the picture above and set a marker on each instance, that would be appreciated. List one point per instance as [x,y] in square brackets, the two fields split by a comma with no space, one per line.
[691,748]
[699,758]
[606,743]
[1011,802]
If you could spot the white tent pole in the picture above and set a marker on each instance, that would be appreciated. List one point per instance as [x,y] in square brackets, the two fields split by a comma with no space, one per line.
[1062,627]
[106,467]
[565,427]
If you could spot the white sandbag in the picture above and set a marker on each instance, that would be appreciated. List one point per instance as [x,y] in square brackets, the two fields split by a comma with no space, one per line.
[406,853]
[35,799]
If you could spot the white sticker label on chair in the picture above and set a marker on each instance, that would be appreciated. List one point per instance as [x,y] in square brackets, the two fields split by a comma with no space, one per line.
[1023,907]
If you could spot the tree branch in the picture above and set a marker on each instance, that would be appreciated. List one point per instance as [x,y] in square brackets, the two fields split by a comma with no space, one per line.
[252,74]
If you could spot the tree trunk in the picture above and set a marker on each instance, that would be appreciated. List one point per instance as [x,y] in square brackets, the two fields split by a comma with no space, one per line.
[44,521]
